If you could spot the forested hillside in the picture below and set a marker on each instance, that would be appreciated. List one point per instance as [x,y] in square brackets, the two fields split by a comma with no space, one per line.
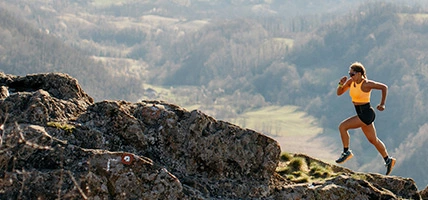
[26,49]
[234,56]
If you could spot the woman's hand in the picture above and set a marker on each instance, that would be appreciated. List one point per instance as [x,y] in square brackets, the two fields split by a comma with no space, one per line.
[343,80]
[342,87]
[381,107]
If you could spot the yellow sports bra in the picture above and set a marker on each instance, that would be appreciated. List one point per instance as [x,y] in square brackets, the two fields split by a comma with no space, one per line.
[358,95]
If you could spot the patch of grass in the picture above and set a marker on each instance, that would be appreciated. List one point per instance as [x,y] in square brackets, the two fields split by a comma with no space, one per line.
[282,170]
[295,166]
[298,164]
[66,127]
[359,176]
[300,177]
[284,157]
[297,170]
[318,171]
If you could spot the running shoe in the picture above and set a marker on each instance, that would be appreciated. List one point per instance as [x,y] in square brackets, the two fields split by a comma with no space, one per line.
[389,165]
[345,156]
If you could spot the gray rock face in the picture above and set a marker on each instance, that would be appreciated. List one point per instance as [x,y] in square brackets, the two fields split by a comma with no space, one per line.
[424,193]
[56,143]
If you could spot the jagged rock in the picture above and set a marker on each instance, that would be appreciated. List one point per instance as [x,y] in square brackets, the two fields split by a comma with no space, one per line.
[424,193]
[348,187]
[58,85]
[198,149]
[58,144]
[41,98]
[38,166]
[4,92]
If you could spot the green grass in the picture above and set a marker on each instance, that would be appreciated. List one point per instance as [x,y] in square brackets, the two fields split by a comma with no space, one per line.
[298,164]
[318,171]
[359,176]
[107,2]
[419,17]
[299,171]
[284,157]
[66,127]
[284,41]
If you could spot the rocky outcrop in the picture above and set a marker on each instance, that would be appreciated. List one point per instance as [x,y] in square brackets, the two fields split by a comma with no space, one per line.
[56,143]
[349,186]
[424,193]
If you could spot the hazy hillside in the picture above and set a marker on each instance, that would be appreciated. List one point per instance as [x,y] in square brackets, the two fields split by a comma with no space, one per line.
[26,48]
[230,57]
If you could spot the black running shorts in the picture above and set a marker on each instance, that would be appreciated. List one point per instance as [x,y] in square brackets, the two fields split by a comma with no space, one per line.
[366,113]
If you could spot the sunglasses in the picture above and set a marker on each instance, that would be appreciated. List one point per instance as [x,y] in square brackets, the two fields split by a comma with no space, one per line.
[352,74]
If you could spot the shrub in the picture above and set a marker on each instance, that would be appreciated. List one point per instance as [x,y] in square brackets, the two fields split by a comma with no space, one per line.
[319,171]
[298,164]
[284,157]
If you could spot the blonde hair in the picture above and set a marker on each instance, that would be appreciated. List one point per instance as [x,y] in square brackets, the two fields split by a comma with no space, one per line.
[358,67]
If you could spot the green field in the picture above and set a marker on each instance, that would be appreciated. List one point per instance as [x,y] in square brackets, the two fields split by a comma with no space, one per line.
[278,121]
[418,18]
[271,120]
[107,2]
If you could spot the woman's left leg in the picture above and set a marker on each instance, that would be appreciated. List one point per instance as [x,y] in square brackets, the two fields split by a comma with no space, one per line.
[370,132]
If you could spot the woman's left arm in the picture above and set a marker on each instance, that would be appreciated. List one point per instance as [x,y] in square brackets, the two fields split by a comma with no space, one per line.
[379,86]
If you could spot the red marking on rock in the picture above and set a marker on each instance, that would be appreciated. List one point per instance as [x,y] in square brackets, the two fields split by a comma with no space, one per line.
[127,158]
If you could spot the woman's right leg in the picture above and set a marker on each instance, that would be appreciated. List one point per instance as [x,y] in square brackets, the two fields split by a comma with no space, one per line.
[350,123]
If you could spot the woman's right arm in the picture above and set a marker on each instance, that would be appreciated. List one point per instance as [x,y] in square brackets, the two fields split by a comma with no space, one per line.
[343,85]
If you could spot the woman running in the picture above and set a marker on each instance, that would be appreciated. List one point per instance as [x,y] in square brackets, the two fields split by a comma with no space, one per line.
[359,89]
